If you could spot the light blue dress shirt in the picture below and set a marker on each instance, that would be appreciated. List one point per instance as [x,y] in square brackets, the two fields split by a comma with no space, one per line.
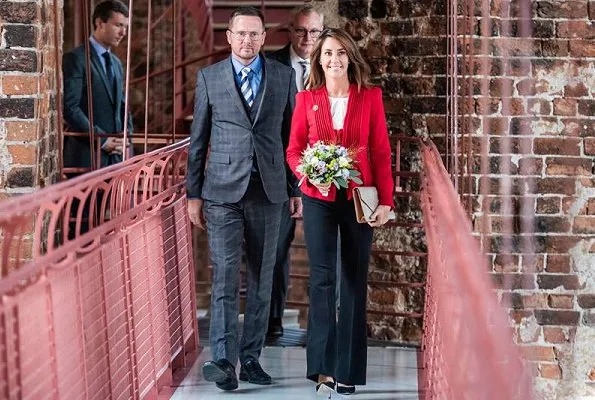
[255,66]
[99,49]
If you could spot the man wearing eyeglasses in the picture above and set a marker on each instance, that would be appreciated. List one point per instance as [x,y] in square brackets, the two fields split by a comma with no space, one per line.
[242,117]
[305,26]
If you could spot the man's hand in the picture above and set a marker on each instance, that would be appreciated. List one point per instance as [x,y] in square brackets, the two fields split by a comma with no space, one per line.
[195,213]
[113,145]
[380,216]
[295,207]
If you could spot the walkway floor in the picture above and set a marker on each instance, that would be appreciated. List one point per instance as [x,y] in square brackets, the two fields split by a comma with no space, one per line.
[392,374]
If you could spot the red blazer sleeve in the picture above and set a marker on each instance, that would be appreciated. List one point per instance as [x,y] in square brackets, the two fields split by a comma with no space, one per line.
[380,151]
[298,138]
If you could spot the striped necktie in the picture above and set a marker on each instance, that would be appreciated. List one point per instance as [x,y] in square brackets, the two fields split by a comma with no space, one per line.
[245,87]
[305,71]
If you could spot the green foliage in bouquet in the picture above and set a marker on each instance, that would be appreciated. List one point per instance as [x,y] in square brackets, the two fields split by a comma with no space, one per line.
[328,163]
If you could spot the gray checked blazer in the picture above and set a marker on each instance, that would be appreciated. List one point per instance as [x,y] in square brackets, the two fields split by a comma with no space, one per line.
[225,135]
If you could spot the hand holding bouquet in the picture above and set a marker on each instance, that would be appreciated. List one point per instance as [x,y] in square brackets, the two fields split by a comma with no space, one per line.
[326,164]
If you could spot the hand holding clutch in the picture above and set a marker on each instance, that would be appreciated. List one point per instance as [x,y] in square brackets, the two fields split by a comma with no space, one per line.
[367,210]
[380,216]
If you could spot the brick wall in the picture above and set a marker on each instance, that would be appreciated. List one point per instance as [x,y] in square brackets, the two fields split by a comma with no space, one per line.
[29,139]
[28,115]
[536,119]
[538,127]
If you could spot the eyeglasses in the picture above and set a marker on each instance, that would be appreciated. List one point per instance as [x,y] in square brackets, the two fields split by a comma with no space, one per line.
[301,32]
[241,35]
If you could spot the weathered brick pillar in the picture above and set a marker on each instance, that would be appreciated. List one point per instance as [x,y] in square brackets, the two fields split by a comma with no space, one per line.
[30,81]
[549,83]
[29,72]
[546,270]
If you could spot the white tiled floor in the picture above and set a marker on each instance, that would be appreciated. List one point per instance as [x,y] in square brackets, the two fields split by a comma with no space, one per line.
[392,374]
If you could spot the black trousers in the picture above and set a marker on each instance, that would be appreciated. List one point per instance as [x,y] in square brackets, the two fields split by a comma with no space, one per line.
[337,348]
[281,273]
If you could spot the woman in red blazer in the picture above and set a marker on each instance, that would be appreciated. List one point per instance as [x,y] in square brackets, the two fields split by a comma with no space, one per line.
[340,107]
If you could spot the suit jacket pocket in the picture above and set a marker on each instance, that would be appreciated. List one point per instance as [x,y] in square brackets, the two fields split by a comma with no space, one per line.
[220,158]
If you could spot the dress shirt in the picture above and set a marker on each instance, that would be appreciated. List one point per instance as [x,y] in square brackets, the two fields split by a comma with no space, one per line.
[256,68]
[297,67]
[99,49]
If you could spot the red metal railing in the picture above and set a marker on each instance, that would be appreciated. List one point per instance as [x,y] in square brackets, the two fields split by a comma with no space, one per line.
[104,312]
[468,349]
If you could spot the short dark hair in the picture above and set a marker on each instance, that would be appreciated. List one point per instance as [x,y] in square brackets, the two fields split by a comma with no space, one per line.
[105,9]
[246,12]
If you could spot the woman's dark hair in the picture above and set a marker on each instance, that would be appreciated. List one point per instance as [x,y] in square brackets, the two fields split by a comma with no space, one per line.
[358,70]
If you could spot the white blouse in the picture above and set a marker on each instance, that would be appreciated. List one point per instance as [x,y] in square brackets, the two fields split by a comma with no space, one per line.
[338,111]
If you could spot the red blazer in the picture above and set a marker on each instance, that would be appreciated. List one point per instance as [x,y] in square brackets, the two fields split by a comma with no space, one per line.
[364,128]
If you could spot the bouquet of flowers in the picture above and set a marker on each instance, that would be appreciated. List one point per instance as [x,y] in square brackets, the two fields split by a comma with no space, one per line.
[326,164]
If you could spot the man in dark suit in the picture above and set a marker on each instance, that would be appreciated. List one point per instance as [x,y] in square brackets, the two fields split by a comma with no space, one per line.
[242,116]
[110,19]
[305,26]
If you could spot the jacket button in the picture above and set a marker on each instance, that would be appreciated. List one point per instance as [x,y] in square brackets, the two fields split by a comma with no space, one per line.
[250,157]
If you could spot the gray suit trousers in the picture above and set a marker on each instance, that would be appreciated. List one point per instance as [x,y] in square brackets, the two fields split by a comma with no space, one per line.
[256,220]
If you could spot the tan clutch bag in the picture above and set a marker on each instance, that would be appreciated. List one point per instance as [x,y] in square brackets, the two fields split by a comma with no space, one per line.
[365,199]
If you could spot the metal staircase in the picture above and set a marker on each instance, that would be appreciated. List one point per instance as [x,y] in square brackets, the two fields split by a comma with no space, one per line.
[276,14]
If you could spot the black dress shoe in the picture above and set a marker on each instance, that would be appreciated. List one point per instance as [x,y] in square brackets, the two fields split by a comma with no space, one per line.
[275,327]
[222,373]
[345,390]
[252,372]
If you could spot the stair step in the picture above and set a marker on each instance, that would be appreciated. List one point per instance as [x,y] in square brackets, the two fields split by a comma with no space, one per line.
[276,40]
[266,48]
[222,26]
[276,16]
[257,3]
[273,15]
[290,317]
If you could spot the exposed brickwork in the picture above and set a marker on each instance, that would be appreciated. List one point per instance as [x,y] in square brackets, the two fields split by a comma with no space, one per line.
[28,117]
[539,129]
[29,149]
[540,126]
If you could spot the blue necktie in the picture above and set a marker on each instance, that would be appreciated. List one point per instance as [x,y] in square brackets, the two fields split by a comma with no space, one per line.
[245,87]
[109,71]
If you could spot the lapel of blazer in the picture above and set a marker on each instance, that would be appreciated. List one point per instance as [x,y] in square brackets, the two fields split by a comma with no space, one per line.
[101,72]
[119,100]
[321,107]
[119,82]
[267,73]
[226,72]
[324,119]
[286,55]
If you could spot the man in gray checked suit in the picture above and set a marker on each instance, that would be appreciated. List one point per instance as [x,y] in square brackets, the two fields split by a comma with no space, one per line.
[238,181]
